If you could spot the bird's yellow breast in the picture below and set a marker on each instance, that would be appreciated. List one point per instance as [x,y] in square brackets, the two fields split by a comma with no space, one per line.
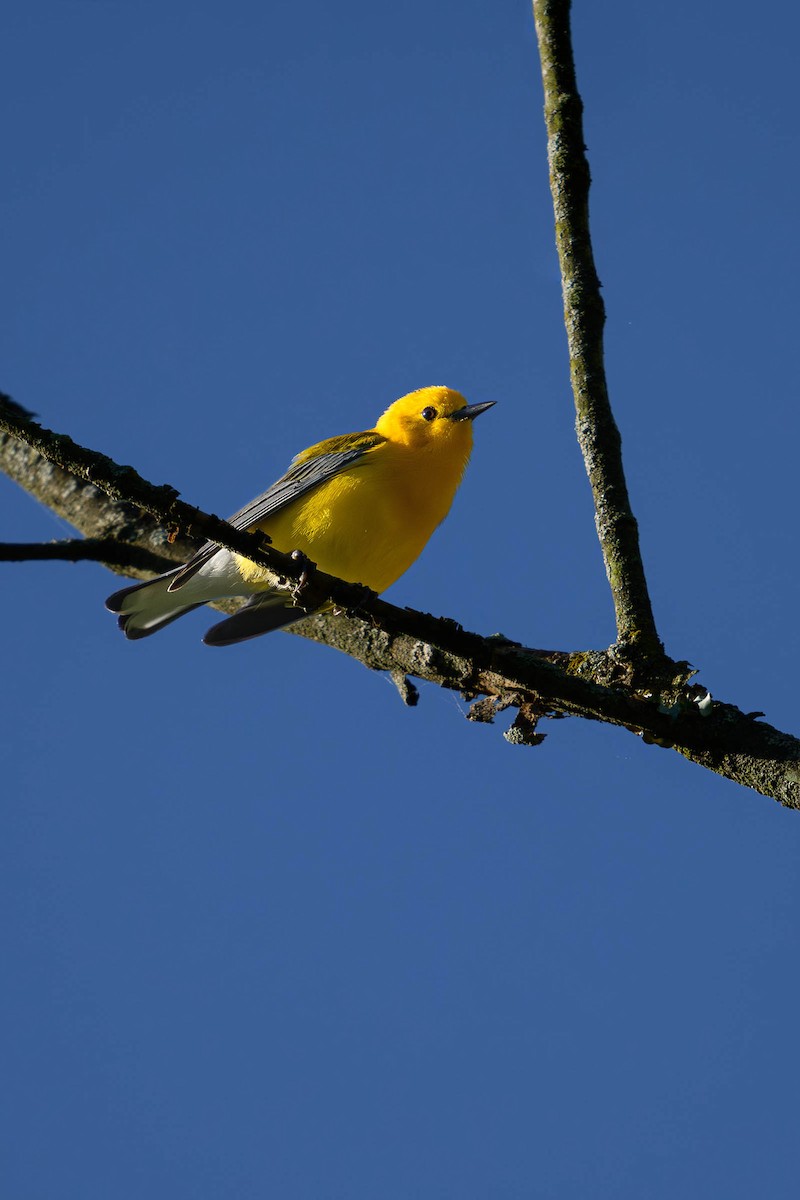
[370,522]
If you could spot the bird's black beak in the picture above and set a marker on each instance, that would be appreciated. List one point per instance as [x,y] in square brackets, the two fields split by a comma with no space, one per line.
[470,411]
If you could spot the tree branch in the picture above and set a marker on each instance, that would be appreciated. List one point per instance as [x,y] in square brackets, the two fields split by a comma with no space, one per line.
[662,706]
[78,501]
[107,551]
[584,314]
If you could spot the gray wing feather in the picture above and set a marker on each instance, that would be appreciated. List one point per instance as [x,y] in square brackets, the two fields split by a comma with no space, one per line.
[297,481]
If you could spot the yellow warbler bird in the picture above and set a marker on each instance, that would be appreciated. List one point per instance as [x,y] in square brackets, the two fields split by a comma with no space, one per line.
[361,506]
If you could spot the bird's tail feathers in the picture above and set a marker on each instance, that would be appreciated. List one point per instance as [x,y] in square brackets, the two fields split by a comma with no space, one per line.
[260,615]
[144,608]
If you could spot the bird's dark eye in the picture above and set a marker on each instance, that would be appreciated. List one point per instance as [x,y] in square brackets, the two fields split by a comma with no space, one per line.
[428,413]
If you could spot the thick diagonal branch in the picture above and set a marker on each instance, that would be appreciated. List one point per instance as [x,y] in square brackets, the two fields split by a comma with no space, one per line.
[584,314]
[662,707]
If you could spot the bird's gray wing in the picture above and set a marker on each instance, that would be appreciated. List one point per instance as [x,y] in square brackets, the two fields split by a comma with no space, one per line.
[303,476]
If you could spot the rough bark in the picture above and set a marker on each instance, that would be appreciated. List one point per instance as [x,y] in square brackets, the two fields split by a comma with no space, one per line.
[584,316]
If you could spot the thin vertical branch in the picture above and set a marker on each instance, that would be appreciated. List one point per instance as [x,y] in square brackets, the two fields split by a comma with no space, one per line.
[584,314]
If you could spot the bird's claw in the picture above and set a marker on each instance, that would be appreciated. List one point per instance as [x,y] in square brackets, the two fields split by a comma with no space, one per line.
[308,569]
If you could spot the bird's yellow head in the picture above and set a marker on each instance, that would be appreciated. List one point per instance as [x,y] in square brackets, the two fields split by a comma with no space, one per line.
[432,417]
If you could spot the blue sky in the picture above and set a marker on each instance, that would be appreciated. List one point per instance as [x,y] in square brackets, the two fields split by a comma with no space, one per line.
[266,931]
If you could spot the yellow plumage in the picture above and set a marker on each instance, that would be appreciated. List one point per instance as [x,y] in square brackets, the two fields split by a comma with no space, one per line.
[361,506]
